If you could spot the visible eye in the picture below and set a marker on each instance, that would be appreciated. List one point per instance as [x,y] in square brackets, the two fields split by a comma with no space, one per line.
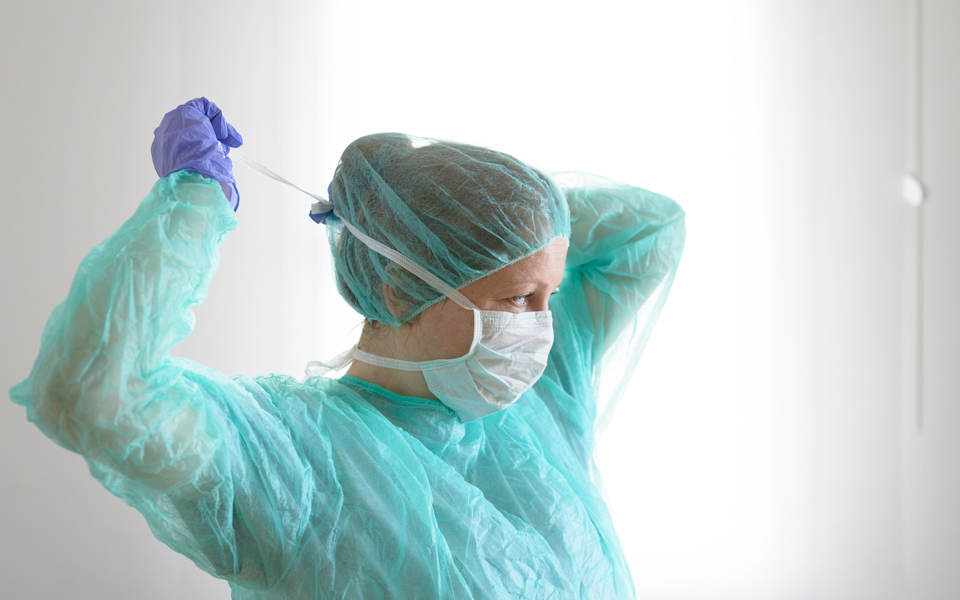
[522,301]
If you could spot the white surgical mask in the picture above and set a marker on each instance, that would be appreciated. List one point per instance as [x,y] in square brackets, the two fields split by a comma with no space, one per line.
[508,355]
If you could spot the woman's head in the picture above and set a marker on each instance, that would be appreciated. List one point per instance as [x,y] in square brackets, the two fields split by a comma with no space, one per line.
[461,212]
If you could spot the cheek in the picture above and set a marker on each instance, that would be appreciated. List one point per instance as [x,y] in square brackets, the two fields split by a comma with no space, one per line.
[445,332]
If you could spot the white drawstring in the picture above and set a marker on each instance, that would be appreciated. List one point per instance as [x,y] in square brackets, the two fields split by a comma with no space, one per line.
[382,249]
[316,368]
[322,205]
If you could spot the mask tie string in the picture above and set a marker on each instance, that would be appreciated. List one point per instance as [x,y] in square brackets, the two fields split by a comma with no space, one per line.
[319,212]
[325,206]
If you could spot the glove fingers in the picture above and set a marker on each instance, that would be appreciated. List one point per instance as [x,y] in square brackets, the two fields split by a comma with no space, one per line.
[225,132]
[227,135]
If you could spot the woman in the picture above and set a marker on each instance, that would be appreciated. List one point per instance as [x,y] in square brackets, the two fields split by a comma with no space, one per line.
[454,459]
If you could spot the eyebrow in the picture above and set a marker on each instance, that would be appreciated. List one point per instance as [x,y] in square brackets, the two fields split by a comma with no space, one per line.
[524,288]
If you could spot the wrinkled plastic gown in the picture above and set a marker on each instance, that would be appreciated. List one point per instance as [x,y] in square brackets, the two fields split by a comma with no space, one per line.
[339,488]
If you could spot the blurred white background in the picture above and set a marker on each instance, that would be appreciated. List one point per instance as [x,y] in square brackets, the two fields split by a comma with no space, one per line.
[791,431]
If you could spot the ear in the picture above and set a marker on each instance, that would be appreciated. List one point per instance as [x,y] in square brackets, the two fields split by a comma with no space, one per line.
[394,304]
[394,300]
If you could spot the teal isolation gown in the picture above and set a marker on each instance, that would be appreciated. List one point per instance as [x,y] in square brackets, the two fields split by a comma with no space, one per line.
[338,488]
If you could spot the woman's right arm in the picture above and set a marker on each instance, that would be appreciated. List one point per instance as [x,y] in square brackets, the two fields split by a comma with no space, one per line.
[104,384]
[173,439]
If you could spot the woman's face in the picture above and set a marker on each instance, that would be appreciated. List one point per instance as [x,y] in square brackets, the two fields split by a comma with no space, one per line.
[445,329]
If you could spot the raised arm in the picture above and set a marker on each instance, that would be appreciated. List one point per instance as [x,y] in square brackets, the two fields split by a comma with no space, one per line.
[186,446]
[104,384]
[625,246]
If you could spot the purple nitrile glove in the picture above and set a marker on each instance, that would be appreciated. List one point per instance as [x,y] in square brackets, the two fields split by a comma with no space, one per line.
[195,137]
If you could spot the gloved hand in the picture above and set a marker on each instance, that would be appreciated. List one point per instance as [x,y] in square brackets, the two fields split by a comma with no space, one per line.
[195,137]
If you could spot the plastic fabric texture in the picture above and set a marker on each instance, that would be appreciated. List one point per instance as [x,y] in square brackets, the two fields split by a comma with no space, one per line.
[459,211]
[339,489]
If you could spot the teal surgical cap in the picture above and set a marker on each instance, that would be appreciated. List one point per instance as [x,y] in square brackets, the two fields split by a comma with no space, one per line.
[461,212]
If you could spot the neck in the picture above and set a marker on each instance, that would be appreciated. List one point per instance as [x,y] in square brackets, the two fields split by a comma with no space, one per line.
[383,341]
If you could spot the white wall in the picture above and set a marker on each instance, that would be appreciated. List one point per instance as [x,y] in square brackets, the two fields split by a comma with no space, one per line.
[931,446]
[768,448]
[860,114]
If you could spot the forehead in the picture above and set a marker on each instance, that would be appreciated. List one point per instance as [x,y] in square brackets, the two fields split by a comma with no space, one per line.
[542,268]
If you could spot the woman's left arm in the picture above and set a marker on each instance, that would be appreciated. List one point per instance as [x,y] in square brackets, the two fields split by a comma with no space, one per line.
[625,246]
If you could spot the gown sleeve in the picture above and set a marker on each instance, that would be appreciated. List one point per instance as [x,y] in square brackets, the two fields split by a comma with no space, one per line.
[625,245]
[194,451]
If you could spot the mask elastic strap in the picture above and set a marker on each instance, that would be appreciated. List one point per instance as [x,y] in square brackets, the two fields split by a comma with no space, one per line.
[321,206]
[317,368]
[325,206]
[427,277]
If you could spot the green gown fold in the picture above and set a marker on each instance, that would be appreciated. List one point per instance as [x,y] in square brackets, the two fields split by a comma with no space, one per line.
[337,488]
